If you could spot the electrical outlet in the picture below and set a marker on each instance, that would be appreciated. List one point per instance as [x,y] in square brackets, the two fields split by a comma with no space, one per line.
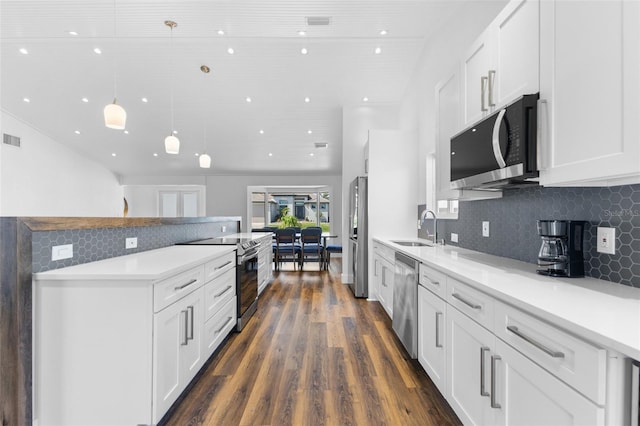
[62,252]
[485,228]
[454,237]
[606,240]
[224,228]
[130,243]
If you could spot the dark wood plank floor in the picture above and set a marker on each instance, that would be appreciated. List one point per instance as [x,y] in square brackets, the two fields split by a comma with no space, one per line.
[313,355]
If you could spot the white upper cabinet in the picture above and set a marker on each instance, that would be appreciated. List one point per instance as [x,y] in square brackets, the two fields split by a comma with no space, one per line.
[502,64]
[590,92]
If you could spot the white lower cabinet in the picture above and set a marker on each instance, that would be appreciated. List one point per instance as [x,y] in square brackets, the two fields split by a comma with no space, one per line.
[265,260]
[177,353]
[527,394]
[384,276]
[431,336]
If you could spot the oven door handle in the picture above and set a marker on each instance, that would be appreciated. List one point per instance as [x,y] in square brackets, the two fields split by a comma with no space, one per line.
[496,140]
[248,255]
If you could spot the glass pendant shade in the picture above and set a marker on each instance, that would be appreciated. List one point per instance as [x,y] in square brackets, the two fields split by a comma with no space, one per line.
[115,117]
[172,145]
[205,161]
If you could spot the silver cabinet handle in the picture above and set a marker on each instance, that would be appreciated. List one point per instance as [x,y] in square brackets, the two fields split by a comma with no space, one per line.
[495,141]
[222,266]
[190,314]
[552,353]
[426,277]
[490,79]
[180,287]
[222,292]
[494,404]
[482,371]
[466,302]
[224,325]
[186,328]
[483,84]
[438,342]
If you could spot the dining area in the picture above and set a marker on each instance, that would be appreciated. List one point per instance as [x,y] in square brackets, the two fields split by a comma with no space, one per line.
[299,246]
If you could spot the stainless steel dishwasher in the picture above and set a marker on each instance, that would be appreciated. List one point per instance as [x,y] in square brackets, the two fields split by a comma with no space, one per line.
[405,303]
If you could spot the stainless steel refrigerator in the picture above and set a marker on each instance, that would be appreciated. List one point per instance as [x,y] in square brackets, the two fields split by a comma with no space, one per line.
[358,236]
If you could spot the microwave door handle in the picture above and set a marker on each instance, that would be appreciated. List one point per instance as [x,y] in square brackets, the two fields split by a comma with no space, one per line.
[496,140]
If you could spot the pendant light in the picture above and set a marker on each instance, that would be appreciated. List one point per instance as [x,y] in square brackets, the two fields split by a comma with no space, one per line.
[205,159]
[171,142]
[115,117]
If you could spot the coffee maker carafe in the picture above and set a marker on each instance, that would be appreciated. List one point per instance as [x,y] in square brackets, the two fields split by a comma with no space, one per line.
[561,250]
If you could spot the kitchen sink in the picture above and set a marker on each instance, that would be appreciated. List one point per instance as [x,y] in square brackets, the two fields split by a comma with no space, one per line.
[412,243]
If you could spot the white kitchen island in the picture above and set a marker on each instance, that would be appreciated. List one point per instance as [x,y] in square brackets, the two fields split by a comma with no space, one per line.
[117,341]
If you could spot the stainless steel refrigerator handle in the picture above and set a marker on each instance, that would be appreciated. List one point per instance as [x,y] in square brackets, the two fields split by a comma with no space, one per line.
[490,79]
[466,302]
[482,371]
[483,83]
[190,314]
[222,266]
[180,287]
[552,353]
[495,141]
[186,328]
[438,343]
[494,403]
[222,292]
[224,325]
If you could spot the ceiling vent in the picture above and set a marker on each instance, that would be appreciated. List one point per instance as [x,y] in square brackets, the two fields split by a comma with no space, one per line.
[11,140]
[321,145]
[313,21]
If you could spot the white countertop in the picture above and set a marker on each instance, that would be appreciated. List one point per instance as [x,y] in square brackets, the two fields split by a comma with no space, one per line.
[147,265]
[252,235]
[605,313]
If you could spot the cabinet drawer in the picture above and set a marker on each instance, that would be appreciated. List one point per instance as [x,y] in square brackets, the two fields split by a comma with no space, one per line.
[167,291]
[219,266]
[473,303]
[218,292]
[578,363]
[385,252]
[217,328]
[433,280]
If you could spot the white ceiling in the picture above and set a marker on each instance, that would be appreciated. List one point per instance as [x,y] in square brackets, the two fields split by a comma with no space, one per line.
[340,69]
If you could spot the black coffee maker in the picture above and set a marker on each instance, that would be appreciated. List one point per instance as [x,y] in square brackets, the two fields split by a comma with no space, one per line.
[561,251]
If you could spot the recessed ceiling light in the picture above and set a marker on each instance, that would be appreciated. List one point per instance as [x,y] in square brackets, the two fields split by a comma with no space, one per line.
[196,154]
[311,155]
[307,100]
[383,32]
[230,51]
[261,132]
[220,32]
[309,131]
[73,33]
[97,51]
[126,132]
[302,33]
[24,51]
[365,99]
[248,99]
[377,51]
[270,154]
[77,132]
[113,154]
[145,100]
[155,154]
[304,51]
[85,100]
[27,100]
[175,132]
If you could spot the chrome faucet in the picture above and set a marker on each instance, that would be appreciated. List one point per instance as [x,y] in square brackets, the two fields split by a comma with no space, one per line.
[423,217]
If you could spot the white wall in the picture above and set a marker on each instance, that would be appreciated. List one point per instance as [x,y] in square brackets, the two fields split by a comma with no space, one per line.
[45,178]
[143,199]
[227,195]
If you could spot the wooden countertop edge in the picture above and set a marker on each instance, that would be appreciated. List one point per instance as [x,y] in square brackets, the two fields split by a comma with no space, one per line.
[63,223]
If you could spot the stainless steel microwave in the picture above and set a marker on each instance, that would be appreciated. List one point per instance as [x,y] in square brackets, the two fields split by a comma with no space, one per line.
[498,151]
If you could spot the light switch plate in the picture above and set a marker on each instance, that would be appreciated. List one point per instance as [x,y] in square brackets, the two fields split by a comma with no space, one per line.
[454,237]
[606,240]
[62,252]
[485,228]
[130,243]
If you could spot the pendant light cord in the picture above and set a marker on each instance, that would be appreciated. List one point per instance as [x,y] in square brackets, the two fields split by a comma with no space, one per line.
[172,83]
[115,55]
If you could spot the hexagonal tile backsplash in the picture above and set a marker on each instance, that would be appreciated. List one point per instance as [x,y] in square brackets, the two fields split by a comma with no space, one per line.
[90,245]
[513,225]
